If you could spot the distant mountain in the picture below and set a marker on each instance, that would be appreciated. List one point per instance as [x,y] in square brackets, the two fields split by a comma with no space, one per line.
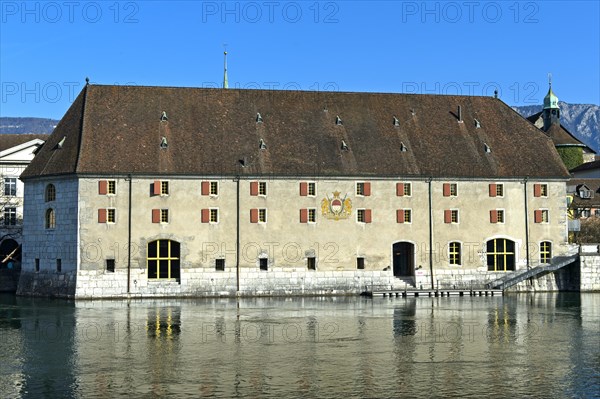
[27,125]
[582,120]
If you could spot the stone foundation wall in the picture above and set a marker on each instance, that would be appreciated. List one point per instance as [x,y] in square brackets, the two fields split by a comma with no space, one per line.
[9,278]
[203,283]
[47,284]
[590,272]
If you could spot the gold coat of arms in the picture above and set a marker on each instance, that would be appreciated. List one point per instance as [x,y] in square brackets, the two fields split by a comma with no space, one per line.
[336,208]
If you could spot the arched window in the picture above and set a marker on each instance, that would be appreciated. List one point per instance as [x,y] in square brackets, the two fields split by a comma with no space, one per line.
[50,218]
[454,253]
[163,259]
[545,252]
[50,192]
[500,255]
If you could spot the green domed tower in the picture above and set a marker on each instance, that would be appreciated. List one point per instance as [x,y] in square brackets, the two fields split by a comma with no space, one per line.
[551,112]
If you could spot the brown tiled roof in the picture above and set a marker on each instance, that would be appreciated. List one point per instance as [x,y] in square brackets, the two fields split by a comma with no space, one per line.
[559,134]
[586,166]
[12,140]
[593,185]
[117,130]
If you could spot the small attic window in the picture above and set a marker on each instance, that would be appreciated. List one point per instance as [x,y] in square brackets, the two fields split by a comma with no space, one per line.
[487,148]
[396,121]
[259,118]
[403,148]
[163,143]
[345,146]
[163,117]
[262,145]
[477,124]
[61,143]
[338,120]
[412,112]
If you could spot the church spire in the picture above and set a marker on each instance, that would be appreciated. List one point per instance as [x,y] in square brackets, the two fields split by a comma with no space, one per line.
[551,112]
[225,82]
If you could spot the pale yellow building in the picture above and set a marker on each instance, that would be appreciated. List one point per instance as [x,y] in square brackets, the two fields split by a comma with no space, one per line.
[158,191]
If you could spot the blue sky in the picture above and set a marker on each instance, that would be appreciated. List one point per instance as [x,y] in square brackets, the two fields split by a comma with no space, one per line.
[47,49]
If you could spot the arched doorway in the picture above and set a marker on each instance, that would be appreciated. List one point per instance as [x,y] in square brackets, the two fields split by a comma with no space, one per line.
[403,255]
[163,259]
[10,254]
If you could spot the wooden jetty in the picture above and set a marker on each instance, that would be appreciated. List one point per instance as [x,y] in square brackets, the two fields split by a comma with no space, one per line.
[404,293]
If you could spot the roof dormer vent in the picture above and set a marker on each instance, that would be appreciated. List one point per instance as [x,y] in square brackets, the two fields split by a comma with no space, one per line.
[345,146]
[487,148]
[460,120]
[262,145]
[338,120]
[396,121]
[477,124]
[163,117]
[403,148]
[61,143]
[163,143]
[259,118]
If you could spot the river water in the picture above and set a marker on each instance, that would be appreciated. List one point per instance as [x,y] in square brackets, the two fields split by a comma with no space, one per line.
[536,345]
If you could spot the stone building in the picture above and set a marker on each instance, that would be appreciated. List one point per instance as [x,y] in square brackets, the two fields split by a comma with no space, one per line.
[160,191]
[16,152]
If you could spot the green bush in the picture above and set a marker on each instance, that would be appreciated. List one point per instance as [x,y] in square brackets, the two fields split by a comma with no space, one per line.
[571,156]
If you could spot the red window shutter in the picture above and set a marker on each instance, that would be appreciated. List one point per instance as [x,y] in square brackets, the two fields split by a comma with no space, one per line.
[367,215]
[446,189]
[254,215]
[400,216]
[101,215]
[367,191]
[303,189]
[537,190]
[400,189]
[155,215]
[205,187]
[103,187]
[205,215]
[537,216]
[254,189]
[493,216]
[492,190]
[156,188]
[447,216]
[303,215]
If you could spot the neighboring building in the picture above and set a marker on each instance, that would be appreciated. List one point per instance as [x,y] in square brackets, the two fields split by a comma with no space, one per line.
[16,152]
[589,170]
[572,151]
[584,197]
[158,191]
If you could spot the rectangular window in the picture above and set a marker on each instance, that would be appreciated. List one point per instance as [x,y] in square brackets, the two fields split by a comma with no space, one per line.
[454,253]
[220,265]
[312,215]
[541,216]
[262,215]
[164,216]
[497,216]
[59,265]
[262,188]
[164,188]
[450,190]
[214,188]
[111,187]
[496,190]
[407,189]
[451,216]
[10,186]
[10,216]
[214,215]
[360,263]
[110,265]
[311,263]
[37,265]
[111,215]
[363,216]
[263,264]
[540,190]
[404,216]
[545,252]
[308,189]
[363,189]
